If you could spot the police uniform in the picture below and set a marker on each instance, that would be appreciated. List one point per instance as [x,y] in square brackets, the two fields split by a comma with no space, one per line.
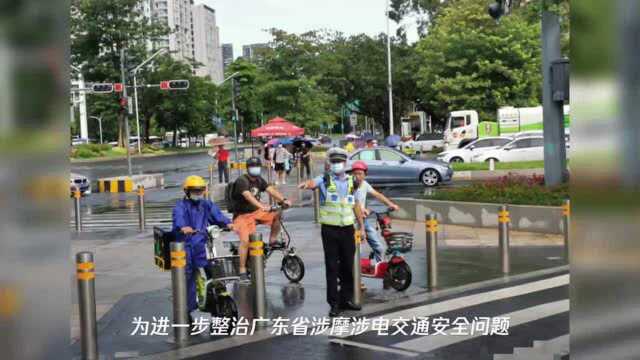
[337,221]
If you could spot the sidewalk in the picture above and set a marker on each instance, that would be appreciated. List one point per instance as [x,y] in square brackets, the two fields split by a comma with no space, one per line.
[128,284]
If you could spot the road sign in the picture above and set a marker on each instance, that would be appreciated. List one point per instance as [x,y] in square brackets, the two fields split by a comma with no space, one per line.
[105,88]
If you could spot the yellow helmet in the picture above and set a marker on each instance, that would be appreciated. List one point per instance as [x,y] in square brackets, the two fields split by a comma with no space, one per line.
[194,182]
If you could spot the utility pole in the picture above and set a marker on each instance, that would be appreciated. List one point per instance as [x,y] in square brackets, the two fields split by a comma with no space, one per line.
[555,151]
[234,118]
[390,83]
[124,107]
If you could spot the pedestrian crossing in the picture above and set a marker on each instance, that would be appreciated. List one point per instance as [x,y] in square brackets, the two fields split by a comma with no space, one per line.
[126,218]
[538,314]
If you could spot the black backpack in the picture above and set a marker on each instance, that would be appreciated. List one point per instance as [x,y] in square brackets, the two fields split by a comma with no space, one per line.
[229,197]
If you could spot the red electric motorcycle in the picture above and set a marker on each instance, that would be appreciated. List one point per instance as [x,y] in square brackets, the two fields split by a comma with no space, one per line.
[393,269]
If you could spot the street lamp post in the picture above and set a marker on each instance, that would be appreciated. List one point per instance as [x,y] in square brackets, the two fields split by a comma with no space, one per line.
[390,83]
[135,91]
[235,113]
[99,125]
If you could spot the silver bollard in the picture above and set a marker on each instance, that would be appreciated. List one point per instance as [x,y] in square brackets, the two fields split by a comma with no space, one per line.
[432,250]
[256,257]
[492,164]
[357,277]
[78,216]
[566,217]
[316,205]
[141,217]
[179,286]
[503,236]
[85,272]
[210,173]
[299,166]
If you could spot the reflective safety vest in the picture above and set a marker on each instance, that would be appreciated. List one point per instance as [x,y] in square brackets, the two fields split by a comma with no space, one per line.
[336,210]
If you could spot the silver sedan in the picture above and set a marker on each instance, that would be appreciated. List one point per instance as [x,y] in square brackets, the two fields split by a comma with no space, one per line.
[389,166]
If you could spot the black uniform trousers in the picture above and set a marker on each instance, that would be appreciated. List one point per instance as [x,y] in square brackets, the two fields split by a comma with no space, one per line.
[339,249]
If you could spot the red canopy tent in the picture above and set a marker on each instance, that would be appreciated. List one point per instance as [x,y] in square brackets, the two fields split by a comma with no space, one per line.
[277,127]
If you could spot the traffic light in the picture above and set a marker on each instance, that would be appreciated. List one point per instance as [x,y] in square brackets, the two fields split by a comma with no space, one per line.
[174,85]
[118,87]
[497,9]
[102,88]
[236,87]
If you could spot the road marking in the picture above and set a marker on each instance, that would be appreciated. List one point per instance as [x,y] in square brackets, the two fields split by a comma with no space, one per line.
[374,347]
[476,299]
[430,343]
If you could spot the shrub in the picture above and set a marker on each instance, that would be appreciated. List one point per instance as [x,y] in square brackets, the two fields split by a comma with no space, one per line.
[517,190]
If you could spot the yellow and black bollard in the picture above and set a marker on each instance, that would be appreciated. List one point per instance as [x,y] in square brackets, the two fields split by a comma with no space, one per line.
[504,222]
[141,217]
[566,220]
[85,273]
[357,277]
[179,289]
[256,256]
[431,224]
[76,203]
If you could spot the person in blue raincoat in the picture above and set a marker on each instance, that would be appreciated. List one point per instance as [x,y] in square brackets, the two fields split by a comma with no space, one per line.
[191,216]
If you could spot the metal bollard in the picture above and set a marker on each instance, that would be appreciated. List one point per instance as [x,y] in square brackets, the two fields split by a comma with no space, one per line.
[256,256]
[210,173]
[76,200]
[566,217]
[85,272]
[316,205]
[141,218]
[432,250]
[179,286]
[207,193]
[503,238]
[492,164]
[357,277]
[299,166]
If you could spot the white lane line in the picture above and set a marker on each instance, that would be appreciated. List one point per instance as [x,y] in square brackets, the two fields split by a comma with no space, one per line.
[374,347]
[430,343]
[476,299]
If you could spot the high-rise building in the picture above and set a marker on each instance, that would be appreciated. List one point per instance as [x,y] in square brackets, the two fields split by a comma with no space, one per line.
[227,55]
[254,52]
[206,40]
[177,16]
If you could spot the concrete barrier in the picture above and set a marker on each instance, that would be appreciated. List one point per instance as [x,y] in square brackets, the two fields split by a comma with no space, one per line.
[541,219]
[130,183]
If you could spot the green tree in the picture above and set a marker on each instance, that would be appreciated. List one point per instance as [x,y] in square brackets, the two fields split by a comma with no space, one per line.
[471,62]
[99,30]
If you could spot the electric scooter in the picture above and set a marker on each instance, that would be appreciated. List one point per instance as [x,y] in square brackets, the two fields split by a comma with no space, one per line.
[393,269]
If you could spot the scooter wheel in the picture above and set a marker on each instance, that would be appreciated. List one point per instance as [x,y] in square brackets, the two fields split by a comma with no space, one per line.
[399,276]
[293,268]
[227,309]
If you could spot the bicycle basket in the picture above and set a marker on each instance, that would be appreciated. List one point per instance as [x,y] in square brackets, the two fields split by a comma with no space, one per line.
[400,242]
[224,267]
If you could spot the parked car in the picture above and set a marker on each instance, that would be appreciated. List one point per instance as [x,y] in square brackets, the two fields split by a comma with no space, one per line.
[81,182]
[390,166]
[423,143]
[529,148]
[474,148]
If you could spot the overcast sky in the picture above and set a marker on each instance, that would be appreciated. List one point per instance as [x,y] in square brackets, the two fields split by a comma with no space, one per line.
[242,22]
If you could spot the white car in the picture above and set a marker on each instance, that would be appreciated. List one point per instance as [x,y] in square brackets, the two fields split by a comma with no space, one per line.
[474,148]
[425,142]
[530,148]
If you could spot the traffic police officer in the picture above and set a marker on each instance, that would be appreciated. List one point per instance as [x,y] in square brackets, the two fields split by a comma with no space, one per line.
[338,215]
[191,216]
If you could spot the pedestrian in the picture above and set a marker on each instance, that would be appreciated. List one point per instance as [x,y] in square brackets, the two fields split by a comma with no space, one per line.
[350,147]
[249,210]
[359,171]
[339,213]
[281,158]
[371,143]
[190,218]
[306,161]
[222,155]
